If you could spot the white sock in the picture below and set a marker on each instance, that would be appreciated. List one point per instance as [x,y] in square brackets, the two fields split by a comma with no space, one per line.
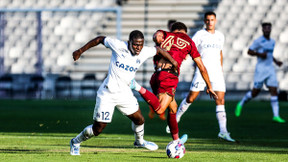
[275,105]
[182,109]
[138,133]
[137,86]
[221,117]
[246,98]
[86,134]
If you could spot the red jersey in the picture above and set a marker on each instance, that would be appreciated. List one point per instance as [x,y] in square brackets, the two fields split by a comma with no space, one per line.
[178,45]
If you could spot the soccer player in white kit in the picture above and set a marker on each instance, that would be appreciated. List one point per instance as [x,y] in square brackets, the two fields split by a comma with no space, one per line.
[209,43]
[115,90]
[265,73]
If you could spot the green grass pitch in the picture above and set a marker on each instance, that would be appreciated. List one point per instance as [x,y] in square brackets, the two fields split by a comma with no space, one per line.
[41,131]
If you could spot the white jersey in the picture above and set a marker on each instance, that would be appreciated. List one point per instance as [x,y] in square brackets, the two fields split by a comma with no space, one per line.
[261,45]
[209,46]
[264,71]
[123,65]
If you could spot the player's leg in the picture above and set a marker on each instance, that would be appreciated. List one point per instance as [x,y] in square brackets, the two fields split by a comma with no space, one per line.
[258,84]
[148,96]
[275,105]
[173,125]
[248,96]
[102,115]
[221,117]
[138,129]
[186,102]
[87,133]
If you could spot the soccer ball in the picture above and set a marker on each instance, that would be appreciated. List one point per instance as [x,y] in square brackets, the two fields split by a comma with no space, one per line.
[175,150]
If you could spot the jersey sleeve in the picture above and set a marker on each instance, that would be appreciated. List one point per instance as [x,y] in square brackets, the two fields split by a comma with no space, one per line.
[149,51]
[111,42]
[196,39]
[194,52]
[255,45]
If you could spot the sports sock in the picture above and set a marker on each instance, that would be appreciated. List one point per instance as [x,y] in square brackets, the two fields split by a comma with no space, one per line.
[86,134]
[246,98]
[173,125]
[137,86]
[150,98]
[275,105]
[182,109]
[221,117]
[138,133]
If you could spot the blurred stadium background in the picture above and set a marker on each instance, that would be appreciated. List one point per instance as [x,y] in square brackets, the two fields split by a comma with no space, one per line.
[38,37]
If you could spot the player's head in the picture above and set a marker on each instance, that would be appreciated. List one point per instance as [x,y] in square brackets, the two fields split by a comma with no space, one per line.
[210,20]
[136,42]
[170,23]
[266,28]
[179,27]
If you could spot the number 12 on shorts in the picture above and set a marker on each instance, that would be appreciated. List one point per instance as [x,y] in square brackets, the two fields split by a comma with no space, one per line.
[104,115]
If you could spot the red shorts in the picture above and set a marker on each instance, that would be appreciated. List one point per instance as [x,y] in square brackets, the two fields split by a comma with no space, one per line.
[164,82]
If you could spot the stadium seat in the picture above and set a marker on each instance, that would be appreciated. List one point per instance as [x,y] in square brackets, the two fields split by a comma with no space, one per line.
[88,86]
[6,86]
[63,87]
[35,87]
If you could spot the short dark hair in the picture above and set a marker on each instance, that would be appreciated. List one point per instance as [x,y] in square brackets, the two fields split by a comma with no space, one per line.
[266,24]
[179,26]
[171,21]
[136,34]
[209,13]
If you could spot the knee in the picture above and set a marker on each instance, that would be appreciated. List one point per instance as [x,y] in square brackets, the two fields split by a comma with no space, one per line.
[190,99]
[139,121]
[97,129]
[220,101]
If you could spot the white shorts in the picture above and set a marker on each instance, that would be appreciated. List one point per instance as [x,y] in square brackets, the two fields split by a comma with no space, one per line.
[269,79]
[198,83]
[106,101]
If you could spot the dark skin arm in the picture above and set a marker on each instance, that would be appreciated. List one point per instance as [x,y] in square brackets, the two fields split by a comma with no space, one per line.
[92,43]
[277,62]
[254,53]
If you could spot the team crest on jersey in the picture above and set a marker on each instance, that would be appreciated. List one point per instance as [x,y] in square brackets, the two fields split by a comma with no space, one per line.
[180,43]
[138,61]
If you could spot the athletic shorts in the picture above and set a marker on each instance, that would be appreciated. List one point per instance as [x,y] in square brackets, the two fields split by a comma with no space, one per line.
[269,79]
[164,82]
[106,102]
[198,83]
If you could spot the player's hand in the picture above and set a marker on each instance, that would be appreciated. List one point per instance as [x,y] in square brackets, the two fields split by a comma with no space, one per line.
[212,94]
[76,54]
[279,63]
[263,55]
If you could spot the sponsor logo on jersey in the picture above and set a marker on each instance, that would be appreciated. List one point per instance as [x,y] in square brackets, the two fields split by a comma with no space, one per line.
[179,43]
[211,46]
[126,67]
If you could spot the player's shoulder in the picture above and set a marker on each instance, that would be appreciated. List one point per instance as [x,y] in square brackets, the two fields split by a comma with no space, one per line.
[200,32]
[111,40]
[219,33]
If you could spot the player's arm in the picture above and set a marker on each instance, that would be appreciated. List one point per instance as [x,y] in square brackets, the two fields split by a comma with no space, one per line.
[205,76]
[221,58]
[254,53]
[277,62]
[92,43]
[167,56]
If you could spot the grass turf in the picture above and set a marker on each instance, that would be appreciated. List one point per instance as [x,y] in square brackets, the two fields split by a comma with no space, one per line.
[41,131]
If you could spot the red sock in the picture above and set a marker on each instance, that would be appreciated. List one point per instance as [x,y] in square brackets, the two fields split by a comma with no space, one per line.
[150,98]
[173,125]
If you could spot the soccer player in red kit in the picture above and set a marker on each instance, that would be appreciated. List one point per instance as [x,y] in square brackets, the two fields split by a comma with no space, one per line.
[165,79]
